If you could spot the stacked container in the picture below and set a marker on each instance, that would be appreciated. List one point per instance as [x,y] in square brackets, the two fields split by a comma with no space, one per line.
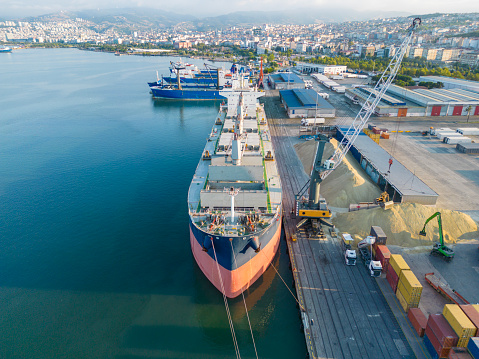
[460,323]
[396,265]
[418,320]
[439,337]
[382,254]
[408,290]
[473,347]
[378,233]
[459,353]
[472,312]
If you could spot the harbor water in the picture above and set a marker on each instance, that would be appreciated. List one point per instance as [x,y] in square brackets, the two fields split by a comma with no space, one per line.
[95,260]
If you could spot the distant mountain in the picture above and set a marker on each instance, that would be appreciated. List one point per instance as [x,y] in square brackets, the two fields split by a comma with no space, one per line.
[144,18]
[127,19]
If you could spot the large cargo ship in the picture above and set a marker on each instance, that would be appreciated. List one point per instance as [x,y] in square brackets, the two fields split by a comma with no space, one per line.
[235,197]
[187,92]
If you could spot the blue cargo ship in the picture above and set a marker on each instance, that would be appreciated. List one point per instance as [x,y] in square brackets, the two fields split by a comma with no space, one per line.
[187,92]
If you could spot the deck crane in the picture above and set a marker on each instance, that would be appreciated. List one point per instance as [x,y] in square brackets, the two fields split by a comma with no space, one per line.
[314,206]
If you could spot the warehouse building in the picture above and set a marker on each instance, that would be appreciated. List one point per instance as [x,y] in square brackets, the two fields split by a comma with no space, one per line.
[306,68]
[440,102]
[400,102]
[401,184]
[286,80]
[305,103]
[452,83]
[390,106]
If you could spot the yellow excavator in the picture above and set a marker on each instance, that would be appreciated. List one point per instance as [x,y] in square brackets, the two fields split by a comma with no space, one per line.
[383,200]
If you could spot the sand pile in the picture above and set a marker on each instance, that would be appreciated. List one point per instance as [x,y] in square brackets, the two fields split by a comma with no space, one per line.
[347,184]
[403,222]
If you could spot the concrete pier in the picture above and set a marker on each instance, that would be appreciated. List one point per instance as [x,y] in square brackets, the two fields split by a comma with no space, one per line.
[345,314]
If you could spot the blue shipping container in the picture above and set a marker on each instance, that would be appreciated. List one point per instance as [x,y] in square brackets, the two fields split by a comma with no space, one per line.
[430,348]
[473,347]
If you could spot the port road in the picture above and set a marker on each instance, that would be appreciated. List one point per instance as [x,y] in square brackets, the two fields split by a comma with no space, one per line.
[344,312]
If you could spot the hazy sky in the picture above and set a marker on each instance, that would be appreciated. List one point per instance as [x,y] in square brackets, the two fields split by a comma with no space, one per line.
[20,8]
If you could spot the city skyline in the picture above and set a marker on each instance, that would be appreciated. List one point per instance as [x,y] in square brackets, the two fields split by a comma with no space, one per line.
[24,8]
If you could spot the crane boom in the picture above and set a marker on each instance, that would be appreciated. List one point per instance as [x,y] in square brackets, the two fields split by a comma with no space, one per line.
[315,206]
[370,104]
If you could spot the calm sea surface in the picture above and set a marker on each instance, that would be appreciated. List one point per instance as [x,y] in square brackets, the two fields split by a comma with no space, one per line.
[95,260]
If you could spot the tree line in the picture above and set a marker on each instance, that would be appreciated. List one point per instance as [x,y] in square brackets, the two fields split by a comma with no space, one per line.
[410,67]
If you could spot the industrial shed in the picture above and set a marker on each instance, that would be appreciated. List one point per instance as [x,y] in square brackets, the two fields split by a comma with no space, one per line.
[305,103]
[452,83]
[400,101]
[440,102]
[388,106]
[401,184]
[286,80]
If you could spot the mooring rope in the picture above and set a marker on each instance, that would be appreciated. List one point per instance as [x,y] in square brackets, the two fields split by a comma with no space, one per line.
[233,334]
[245,306]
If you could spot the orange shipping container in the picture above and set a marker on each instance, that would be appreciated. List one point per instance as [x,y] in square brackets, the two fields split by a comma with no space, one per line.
[471,312]
[382,254]
[385,135]
[459,353]
[418,320]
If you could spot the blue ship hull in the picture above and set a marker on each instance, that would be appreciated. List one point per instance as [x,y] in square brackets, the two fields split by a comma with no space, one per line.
[187,94]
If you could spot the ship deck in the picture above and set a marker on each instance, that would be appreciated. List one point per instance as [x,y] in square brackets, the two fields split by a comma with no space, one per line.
[346,313]
[257,177]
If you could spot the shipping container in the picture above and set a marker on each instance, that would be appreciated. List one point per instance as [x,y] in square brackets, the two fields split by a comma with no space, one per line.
[382,254]
[471,312]
[443,331]
[441,135]
[371,126]
[376,130]
[473,347]
[385,135]
[468,147]
[410,287]
[398,263]
[392,278]
[429,341]
[454,140]
[460,323]
[405,304]
[418,320]
[432,352]
[378,233]
[468,131]
[459,353]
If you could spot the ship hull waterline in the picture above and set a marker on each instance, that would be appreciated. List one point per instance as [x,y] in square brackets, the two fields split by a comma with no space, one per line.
[237,280]
[200,94]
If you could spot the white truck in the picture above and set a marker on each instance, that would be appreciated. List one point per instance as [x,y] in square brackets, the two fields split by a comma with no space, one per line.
[350,256]
[312,121]
[375,267]
[323,95]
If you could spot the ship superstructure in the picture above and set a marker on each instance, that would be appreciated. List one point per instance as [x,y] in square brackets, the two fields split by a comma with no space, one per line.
[235,196]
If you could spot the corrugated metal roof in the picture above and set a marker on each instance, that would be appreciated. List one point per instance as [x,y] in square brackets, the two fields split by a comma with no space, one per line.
[286,77]
[444,79]
[403,180]
[300,98]
[471,95]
